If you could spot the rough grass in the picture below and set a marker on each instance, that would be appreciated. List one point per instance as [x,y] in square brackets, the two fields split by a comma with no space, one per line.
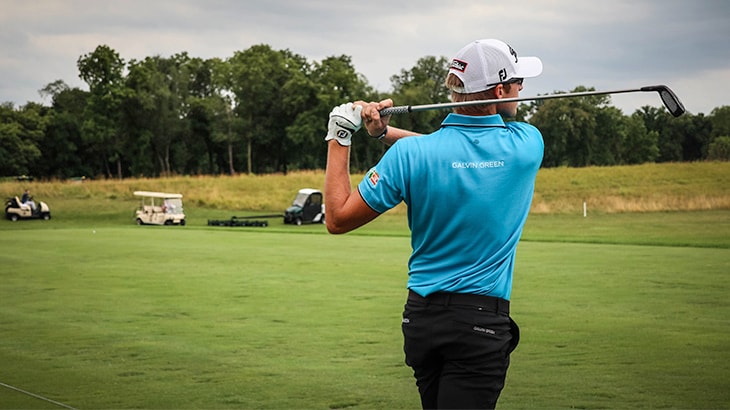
[640,188]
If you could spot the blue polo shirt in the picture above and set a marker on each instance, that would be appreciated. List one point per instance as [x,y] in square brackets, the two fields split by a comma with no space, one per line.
[468,188]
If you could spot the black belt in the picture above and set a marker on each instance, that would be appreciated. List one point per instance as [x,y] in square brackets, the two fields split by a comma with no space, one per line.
[482,302]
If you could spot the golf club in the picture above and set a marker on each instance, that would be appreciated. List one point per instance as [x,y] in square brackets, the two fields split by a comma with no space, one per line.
[668,97]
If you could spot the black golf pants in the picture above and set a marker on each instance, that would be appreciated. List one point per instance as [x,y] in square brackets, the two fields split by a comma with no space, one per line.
[458,346]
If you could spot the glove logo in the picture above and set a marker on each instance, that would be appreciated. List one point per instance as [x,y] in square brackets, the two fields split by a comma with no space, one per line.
[343,133]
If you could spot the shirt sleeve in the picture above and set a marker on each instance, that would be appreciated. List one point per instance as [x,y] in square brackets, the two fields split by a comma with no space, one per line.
[384,184]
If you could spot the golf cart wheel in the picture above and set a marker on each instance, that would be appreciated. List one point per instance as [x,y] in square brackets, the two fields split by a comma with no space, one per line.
[298,221]
[14,217]
[46,216]
[139,222]
[182,222]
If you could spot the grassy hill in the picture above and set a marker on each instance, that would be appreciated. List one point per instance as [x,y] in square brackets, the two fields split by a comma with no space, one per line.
[620,189]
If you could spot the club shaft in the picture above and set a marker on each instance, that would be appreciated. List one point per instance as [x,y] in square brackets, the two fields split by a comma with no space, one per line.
[443,106]
[416,108]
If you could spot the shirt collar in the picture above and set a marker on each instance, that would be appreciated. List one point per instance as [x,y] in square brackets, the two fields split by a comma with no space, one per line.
[473,121]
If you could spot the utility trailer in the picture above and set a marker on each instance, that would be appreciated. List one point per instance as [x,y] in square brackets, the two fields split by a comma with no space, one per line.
[307,207]
[241,221]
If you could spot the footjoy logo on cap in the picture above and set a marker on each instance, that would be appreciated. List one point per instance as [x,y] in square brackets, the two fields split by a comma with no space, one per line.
[458,65]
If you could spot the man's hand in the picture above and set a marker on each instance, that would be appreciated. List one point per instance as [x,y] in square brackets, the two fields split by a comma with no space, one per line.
[374,123]
[344,121]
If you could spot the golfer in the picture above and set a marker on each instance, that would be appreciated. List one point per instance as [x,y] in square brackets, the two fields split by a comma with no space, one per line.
[468,188]
[27,200]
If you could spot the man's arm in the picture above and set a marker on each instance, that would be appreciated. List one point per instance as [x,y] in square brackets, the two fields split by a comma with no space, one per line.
[345,209]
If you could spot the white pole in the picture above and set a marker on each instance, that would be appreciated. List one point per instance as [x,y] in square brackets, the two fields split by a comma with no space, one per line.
[584,209]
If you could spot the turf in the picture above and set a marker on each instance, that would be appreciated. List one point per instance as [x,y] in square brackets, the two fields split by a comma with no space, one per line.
[114,316]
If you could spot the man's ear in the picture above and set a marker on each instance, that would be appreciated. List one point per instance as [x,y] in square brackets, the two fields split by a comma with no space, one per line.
[499,91]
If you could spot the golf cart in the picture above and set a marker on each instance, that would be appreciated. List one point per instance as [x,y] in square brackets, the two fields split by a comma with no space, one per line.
[159,208]
[15,210]
[308,207]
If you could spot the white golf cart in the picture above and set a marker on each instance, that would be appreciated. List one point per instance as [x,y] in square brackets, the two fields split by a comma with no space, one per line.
[15,210]
[160,208]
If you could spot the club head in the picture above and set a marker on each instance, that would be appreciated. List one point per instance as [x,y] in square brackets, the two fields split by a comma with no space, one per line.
[670,100]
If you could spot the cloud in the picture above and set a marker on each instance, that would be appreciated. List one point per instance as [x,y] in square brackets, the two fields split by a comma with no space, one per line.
[607,45]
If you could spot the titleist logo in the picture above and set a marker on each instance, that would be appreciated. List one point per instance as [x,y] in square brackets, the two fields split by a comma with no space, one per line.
[458,65]
[514,53]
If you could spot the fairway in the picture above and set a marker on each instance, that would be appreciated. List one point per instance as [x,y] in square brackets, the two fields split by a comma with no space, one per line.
[196,317]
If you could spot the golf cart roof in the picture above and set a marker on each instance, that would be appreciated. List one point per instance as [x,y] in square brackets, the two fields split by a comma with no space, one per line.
[308,191]
[157,194]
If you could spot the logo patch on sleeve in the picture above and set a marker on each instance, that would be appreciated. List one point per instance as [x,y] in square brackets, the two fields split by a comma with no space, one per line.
[373,177]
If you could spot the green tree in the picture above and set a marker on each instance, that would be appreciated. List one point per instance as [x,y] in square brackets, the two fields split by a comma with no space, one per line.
[684,138]
[103,71]
[621,139]
[209,117]
[64,152]
[719,149]
[154,113]
[720,119]
[257,75]
[421,84]
[335,82]
[640,144]
[669,139]
[569,128]
[611,135]
[21,132]
[305,133]
[698,135]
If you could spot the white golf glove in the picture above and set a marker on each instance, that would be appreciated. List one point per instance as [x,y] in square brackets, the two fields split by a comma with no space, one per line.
[344,121]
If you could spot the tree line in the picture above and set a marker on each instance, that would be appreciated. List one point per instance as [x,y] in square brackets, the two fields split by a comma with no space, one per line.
[265,111]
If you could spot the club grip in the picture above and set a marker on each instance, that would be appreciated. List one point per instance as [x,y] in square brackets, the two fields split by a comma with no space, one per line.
[403,109]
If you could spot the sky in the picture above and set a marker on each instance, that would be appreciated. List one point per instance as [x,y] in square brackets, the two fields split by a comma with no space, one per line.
[607,45]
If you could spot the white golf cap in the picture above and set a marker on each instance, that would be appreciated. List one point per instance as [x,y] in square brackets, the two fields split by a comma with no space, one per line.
[483,64]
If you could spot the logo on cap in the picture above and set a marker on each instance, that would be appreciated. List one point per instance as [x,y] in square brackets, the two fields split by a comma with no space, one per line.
[502,74]
[513,52]
[458,65]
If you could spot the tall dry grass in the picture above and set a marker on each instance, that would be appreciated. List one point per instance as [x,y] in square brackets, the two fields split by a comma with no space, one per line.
[640,188]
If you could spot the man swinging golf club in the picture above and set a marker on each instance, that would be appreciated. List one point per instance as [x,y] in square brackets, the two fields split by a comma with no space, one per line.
[468,188]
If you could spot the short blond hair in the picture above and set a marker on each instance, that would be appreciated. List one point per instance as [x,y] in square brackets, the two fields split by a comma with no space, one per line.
[454,83]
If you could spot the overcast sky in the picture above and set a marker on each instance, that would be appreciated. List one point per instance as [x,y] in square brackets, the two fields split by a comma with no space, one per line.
[607,45]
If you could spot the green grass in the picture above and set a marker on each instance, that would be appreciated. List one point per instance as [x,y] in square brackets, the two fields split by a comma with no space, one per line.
[179,318]
[615,326]
[697,228]
[617,309]
[99,313]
